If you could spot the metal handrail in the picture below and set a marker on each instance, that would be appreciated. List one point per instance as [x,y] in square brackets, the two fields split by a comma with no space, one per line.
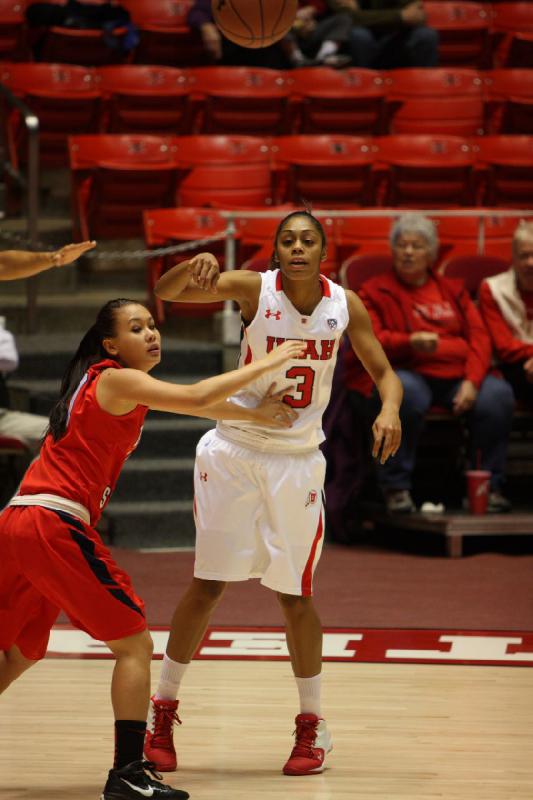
[31,122]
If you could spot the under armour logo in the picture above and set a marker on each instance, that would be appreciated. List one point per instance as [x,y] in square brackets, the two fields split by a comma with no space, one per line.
[203,476]
[332,324]
[275,314]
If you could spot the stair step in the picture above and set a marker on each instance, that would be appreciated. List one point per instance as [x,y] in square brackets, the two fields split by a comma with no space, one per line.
[151,524]
[158,479]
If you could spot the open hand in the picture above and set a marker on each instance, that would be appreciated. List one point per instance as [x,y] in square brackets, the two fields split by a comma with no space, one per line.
[465,398]
[387,431]
[273,412]
[70,252]
[291,349]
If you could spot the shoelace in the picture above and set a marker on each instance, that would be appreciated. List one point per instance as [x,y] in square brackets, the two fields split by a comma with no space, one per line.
[305,738]
[149,766]
[163,722]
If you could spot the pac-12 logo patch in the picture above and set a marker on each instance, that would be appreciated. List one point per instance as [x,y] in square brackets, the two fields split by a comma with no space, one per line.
[311,498]
[332,324]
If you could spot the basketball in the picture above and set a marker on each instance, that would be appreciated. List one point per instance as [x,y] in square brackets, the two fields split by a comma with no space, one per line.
[254,23]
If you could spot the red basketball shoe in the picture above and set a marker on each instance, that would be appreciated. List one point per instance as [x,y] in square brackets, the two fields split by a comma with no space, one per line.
[158,743]
[313,743]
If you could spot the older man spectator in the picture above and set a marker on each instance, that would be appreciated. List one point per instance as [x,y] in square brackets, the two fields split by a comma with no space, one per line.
[440,349]
[506,304]
[389,33]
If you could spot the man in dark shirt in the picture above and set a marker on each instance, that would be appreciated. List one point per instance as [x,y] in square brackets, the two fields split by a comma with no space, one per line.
[389,33]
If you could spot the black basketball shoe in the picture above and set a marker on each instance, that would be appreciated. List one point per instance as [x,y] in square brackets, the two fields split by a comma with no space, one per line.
[132,783]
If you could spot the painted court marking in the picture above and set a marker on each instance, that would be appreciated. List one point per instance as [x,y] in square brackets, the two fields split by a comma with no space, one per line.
[371,645]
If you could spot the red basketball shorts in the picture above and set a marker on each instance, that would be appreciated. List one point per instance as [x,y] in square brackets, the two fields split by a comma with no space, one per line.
[51,561]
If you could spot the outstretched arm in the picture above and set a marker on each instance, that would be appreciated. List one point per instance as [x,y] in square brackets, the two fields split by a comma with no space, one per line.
[120,390]
[24,263]
[387,428]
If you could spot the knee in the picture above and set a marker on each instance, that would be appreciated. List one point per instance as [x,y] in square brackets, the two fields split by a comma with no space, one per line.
[416,397]
[496,399]
[293,605]
[207,593]
[426,37]
[362,37]
[140,646]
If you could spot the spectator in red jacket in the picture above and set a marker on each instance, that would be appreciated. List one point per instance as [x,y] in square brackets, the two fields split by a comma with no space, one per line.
[506,304]
[435,339]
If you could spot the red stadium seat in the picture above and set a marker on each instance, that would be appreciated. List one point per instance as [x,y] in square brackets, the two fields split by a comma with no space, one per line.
[227,186]
[463,30]
[483,235]
[165,37]
[472,269]
[513,26]
[66,99]
[358,269]
[437,101]
[328,170]
[242,100]
[116,177]
[86,47]
[505,169]
[337,101]
[358,235]
[424,171]
[217,149]
[225,171]
[145,99]
[509,100]
[170,226]
[13,43]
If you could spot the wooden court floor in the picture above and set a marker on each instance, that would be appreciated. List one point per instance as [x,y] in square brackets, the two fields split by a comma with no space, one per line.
[400,731]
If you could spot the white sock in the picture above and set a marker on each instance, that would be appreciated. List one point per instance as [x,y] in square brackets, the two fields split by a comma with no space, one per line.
[172,673]
[327,48]
[309,691]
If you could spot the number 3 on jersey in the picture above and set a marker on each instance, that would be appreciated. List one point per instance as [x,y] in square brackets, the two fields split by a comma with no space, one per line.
[303,392]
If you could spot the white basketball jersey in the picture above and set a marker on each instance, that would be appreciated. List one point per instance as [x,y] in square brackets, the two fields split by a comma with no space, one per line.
[310,375]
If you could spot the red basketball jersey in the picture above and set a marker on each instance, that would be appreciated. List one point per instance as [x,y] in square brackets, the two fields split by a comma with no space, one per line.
[84,465]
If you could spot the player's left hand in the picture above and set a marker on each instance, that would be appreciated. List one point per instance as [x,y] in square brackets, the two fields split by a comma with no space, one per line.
[273,412]
[387,431]
[70,252]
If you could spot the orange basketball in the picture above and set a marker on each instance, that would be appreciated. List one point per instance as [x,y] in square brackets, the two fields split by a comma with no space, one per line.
[254,23]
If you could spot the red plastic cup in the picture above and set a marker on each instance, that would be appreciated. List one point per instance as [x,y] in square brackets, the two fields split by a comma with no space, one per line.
[478,485]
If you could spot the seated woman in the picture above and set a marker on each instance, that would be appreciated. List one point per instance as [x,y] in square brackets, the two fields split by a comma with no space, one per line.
[440,349]
[506,305]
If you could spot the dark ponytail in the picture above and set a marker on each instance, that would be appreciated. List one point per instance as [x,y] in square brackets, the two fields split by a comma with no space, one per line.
[305,212]
[90,351]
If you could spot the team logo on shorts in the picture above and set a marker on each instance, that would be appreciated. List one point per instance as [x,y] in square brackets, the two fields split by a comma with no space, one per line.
[332,324]
[311,498]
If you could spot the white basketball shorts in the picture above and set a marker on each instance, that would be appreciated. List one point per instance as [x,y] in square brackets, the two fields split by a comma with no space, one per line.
[258,515]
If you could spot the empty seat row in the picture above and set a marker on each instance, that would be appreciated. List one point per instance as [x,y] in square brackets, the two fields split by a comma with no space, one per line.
[471,34]
[471,247]
[116,176]
[139,99]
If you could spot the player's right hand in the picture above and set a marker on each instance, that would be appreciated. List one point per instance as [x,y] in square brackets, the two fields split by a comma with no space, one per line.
[204,269]
[279,355]
[273,412]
